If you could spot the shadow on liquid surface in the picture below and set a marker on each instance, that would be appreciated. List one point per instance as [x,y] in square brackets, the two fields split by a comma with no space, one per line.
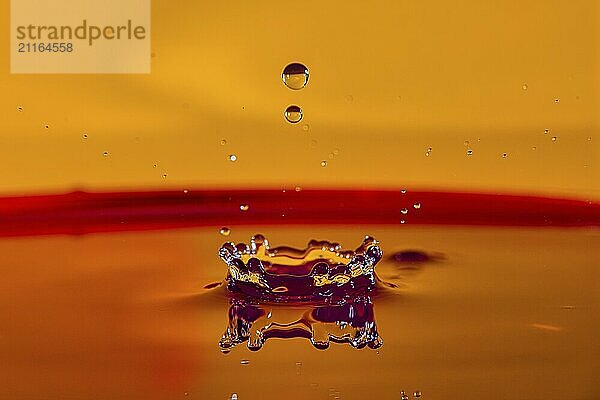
[493,313]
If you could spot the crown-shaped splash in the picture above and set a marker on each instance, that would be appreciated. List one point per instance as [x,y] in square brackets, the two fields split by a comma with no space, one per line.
[320,272]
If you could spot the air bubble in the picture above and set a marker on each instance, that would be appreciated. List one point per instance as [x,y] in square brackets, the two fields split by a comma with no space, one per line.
[556,100]
[234,396]
[323,163]
[244,207]
[293,114]
[232,157]
[546,131]
[417,206]
[47,126]
[469,152]
[295,76]
[417,394]
[85,135]
[306,127]
[223,142]
[524,86]
[504,155]
[297,188]
[404,211]
[105,154]
[331,155]
[164,175]
[428,151]
[20,109]
[554,138]
[245,362]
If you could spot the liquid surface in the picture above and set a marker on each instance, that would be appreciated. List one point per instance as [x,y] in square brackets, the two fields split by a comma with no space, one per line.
[506,312]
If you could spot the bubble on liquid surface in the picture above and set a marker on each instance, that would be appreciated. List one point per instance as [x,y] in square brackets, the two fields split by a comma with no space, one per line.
[244,207]
[232,157]
[225,231]
[293,114]
[223,142]
[295,76]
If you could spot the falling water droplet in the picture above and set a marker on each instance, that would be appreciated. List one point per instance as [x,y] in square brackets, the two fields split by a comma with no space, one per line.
[164,175]
[323,163]
[554,138]
[244,207]
[504,155]
[546,131]
[417,206]
[232,157]
[185,191]
[469,152]
[85,135]
[47,126]
[293,114]
[428,151]
[556,100]
[245,362]
[295,76]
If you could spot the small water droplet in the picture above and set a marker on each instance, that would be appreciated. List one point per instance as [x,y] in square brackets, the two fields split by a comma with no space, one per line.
[404,211]
[164,175]
[403,191]
[232,157]
[417,206]
[589,138]
[234,396]
[245,362]
[293,114]
[155,165]
[223,142]
[524,86]
[504,155]
[469,152]
[244,207]
[556,100]
[85,135]
[428,151]
[105,154]
[295,76]
[534,148]
[402,221]
[546,131]
[331,155]
[403,395]
[20,109]
[185,191]
[306,127]
[47,126]
[323,163]
[554,138]
[417,394]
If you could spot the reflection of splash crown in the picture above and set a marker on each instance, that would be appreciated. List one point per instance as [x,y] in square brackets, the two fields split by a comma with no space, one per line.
[320,271]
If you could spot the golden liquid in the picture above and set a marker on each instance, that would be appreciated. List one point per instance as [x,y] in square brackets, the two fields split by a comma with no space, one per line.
[509,313]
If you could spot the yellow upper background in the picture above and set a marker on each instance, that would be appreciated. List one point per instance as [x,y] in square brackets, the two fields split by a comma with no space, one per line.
[388,80]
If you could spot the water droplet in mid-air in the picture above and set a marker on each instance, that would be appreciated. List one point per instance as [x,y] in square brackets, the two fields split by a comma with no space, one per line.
[295,76]
[323,163]
[225,231]
[293,114]
[534,148]
[232,157]
[417,206]
[244,207]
